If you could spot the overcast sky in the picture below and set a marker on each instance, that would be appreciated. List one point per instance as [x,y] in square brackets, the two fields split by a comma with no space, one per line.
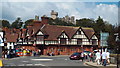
[11,9]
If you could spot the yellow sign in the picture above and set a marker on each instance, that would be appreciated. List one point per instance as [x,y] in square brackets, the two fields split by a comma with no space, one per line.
[1,64]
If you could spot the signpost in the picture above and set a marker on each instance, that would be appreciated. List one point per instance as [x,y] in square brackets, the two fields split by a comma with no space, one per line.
[103,38]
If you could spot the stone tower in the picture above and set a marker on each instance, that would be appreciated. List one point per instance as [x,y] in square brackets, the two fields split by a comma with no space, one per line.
[54,14]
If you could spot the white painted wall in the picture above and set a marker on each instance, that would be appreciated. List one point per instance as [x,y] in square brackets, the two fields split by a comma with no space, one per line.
[63,35]
[39,42]
[51,42]
[10,44]
[73,42]
[39,33]
[1,39]
[94,37]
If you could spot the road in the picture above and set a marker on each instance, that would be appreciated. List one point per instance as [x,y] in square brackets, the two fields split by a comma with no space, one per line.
[43,62]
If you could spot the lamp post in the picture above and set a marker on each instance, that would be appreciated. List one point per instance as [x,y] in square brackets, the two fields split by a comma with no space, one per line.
[117,41]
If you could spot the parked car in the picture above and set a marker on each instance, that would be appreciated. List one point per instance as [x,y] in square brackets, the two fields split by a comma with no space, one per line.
[75,56]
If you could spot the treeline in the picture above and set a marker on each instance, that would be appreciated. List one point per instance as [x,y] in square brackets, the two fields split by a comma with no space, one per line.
[18,23]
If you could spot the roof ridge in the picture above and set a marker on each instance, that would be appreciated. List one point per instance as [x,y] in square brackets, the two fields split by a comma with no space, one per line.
[67,26]
[86,28]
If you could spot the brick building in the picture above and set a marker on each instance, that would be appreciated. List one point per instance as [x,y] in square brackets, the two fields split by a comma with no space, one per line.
[63,40]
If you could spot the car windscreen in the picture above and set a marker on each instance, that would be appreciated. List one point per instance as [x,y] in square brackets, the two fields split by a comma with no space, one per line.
[75,53]
[86,52]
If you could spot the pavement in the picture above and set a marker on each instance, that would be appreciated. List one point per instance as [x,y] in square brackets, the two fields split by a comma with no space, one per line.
[94,65]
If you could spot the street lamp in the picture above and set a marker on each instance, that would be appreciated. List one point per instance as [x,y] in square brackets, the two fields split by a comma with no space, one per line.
[117,41]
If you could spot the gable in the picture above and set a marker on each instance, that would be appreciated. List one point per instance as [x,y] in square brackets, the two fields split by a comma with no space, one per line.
[63,35]
[39,33]
[94,37]
[79,34]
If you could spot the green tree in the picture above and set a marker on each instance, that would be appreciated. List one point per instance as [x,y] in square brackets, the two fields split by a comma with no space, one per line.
[111,39]
[112,43]
[100,25]
[85,22]
[108,27]
[17,23]
[5,23]
[28,22]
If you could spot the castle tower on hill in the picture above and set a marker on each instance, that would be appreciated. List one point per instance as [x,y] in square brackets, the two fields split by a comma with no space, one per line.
[54,14]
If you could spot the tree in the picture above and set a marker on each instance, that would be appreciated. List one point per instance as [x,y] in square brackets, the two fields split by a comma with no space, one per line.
[100,25]
[28,22]
[108,27]
[17,23]
[111,41]
[5,23]
[85,22]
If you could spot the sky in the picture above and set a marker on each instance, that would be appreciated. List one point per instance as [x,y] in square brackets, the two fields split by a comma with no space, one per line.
[27,9]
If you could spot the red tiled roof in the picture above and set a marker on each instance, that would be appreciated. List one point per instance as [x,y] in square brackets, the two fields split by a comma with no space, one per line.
[36,27]
[11,37]
[88,31]
[23,33]
[54,31]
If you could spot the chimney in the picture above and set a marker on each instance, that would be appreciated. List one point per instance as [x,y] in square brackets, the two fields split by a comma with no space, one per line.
[45,20]
[0,25]
[36,18]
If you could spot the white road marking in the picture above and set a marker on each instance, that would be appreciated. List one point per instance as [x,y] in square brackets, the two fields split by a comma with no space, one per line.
[21,65]
[29,64]
[15,58]
[12,65]
[42,59]
[66,59]
[24,61]
[39,65]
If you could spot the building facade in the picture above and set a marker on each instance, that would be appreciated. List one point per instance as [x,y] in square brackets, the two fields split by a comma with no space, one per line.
[60,40]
